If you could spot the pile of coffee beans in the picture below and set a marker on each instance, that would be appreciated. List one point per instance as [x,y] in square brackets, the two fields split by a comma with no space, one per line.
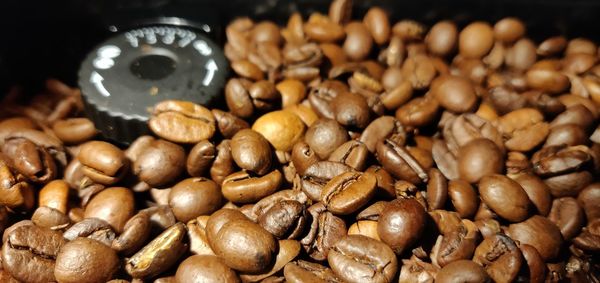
[349,150]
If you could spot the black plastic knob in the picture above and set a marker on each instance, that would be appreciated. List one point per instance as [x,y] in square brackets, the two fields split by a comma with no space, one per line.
[126,75]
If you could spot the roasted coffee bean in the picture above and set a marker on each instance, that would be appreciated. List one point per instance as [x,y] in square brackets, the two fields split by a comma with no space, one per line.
[102,162]
[568,216]
[193,197]
[535,271]
[348,192]
[357,258]
[85,260]
[286,218]
[321,29]
[288,250]
[251,151]
[418,111]
[382,128]
[158,255]
[537,191]
[15,194]
[304,271]
[92,228]
[415,269]
[456,245]
[401,224]
[476,40]
[30,160]
[365,228]
[223,164]
[400,163]
[113,205]
[159,163]
[463,198]
[352,153]
[419,70]
[51,218]
[479,158]
[324,136]
[242,187]
[454,93]
[303,157]
[318,174]
[525,129]
[540,233]
[247,69]
[29,253]
[505,197]
[200,158]
[325,230]
[245,246]
[442,38]
[55,195]
[74,130]
[385,181]
[462,271]
[197,234]
[135,233]
[588,199]
[182,121]
[282,129]
[351,110]
[500,257]
[205,268]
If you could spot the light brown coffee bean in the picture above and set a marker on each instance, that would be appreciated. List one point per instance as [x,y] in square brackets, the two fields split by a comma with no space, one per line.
[540,233]
[74,130]
[479,158]
[193,197]
[348,192]
[509,30]
[476,40]
[241,187]
[282,129]
[442,38]
[205,268]
[358,41]
[251,151]
[113,205]
[85,260]
[454,93]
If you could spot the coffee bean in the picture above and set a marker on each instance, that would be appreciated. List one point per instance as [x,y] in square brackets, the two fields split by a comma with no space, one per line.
[401,223]
[135,233]
[400,163]
[462,271]
[535,270]
[305,271]
[245,246]
[158,255]
[92,228]
[285,218]
[454,93]
[588,198]
[418,112]
[200,158]
[102,162]
[568,216]
[228,124]
[85,260]
[537,191]
[247,69]
[500,257]
[479,158]
[303,157]
[357,258]
[351,110]
[324,136]
[317,175]
[348,192]
[288,250]
[505,197]
[194,197]
[251,151]
[325,230]
[282,129]
[463,197]
[321,29]
[159,163]
[55,195]
[540,233]
[113,205]
[358,41]
[408,30]
[242,187]
[51,218]
[352,153]
[205,268]
[182,121]
[223,165]
[33,162]
[29,253]
[442,38]
[551,46]
[457,245]
[475,40]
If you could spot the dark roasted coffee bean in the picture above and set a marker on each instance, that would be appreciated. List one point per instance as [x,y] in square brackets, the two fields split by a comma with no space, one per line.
[382,128]
[317,175]
[85,260]
[400,163]
[286,218]
[463,198]
[478,158]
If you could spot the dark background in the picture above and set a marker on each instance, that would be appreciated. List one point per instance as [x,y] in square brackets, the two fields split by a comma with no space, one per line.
[43,39]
